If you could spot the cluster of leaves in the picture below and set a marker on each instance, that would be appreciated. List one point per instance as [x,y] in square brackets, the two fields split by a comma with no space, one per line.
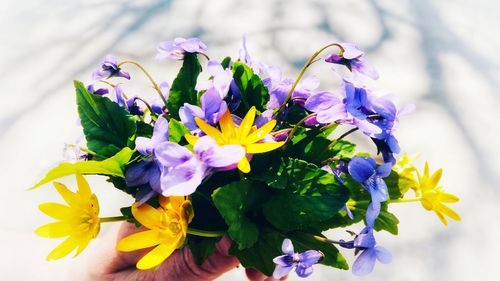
[287,194]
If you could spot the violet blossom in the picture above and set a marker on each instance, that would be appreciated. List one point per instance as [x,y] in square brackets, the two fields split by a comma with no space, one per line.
[109,68]
[176,49]
[211,110]
[301,262]
[221,79]
[352,57]
[183,170]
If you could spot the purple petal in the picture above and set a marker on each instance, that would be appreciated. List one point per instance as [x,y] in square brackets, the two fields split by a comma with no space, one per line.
[365,239]
[143,195]
[384,170]
[365,262]
[351,51]
[281,271]
[364,68]
[303,271]
[333,114]
[309,83]
[367,127]
[287,247]
[321,101]
[136,174]
[216,156]
[144,146]
[182,180]
[187,113]
[372,213]
[171,154]
[284,260]
[310,257]
[393,144]
[361,168]
[160,131]
[383,255]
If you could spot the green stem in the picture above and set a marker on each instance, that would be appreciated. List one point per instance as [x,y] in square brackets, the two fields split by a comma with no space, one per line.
[155,86]
[342,136]
[112,219]
[403,200]
[205,233]
[295,128]
[310,61]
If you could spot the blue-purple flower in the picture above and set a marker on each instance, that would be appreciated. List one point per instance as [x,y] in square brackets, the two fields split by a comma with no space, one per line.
[183,170]
[145,175]
[146,146]
[352,57]
[370,252]
[176,49]
[109,68]
[301,262]
[211,110]
[221,79]
[362,170]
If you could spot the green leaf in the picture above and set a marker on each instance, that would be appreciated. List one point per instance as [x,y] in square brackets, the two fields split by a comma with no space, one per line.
[183,87]
[113,166]
[260,255]
[226,62]
[398,185]
[176,131]
[233,201]
[201,247]
[252,89]
[386,221]
[107,127]
[303,242]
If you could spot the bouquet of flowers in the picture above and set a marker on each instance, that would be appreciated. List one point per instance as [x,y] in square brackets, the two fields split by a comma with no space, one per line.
[243,152]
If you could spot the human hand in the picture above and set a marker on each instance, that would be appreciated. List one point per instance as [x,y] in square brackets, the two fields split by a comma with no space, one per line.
[110,265]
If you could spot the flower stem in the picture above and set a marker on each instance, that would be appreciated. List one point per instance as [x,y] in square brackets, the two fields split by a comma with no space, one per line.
[112,219]
[295,128]
[402,200]
[326,240]
[343,136]
[155,86]
[205,233]
[310,61]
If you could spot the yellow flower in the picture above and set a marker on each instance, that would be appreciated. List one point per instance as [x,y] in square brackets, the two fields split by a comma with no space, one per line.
[79,220]
[434,197]
[167,229]
[405,169]
[246,135]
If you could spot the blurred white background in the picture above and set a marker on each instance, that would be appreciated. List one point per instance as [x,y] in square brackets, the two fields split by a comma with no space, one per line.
[440,55]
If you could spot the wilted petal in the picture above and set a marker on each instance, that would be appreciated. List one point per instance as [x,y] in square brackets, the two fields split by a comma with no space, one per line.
[365,262]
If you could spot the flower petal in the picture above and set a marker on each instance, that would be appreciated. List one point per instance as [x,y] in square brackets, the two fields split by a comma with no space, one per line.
[247,123]
[66,247]
[223,156]
[68,196]
[244,165]
[365,262]
[310,257]
[158,255]
[281,271]
[54,230]
[147,215]
[209,130]
[287,247]
[171,154]
[263,147]
[56,210]
[303,271]
[191,139]
[260,133]
[383,255]
[139,240]
[226,124]
[361,168]
[182,180]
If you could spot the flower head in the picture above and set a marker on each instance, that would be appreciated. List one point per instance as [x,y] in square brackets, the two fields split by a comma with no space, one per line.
[109,68]
[434,197]
[352,57]
[362,170]
[221,79]
[146,146]
[176,49]
[79,219]
[246,135]
[183,170]
[301,262]
[211,110]
[167,229]
[405,168]
[370,252]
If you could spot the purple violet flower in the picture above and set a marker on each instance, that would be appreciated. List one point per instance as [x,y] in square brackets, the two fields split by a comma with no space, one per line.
[183,170]
[146,175]
[221,79]
[176,49]
[352,57]
[109,68]
[258,68]
[211,110]
[301,262]
[147,146]
[365,242]
[100,91]
[362,170]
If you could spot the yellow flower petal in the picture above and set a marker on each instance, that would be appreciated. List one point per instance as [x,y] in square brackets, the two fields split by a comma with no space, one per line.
[56,211]
[83,243]
[449,212]
[448,198]
[246,124]
[227,124]
[244,165]
[191,139]
[54,230]
[139,240]
[68,196]
[83,186]
[441,217]
[260,133]
[209,130]
[157,255]
[435,178]
[147,215]
[66,247]
[172,202]
[263,147]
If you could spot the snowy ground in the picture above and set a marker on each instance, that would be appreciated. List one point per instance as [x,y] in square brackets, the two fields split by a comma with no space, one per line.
[439,55]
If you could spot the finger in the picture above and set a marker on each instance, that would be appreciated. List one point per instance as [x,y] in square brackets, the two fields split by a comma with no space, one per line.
[255,275]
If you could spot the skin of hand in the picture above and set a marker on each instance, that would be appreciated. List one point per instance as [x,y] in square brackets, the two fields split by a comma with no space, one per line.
[107,264]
